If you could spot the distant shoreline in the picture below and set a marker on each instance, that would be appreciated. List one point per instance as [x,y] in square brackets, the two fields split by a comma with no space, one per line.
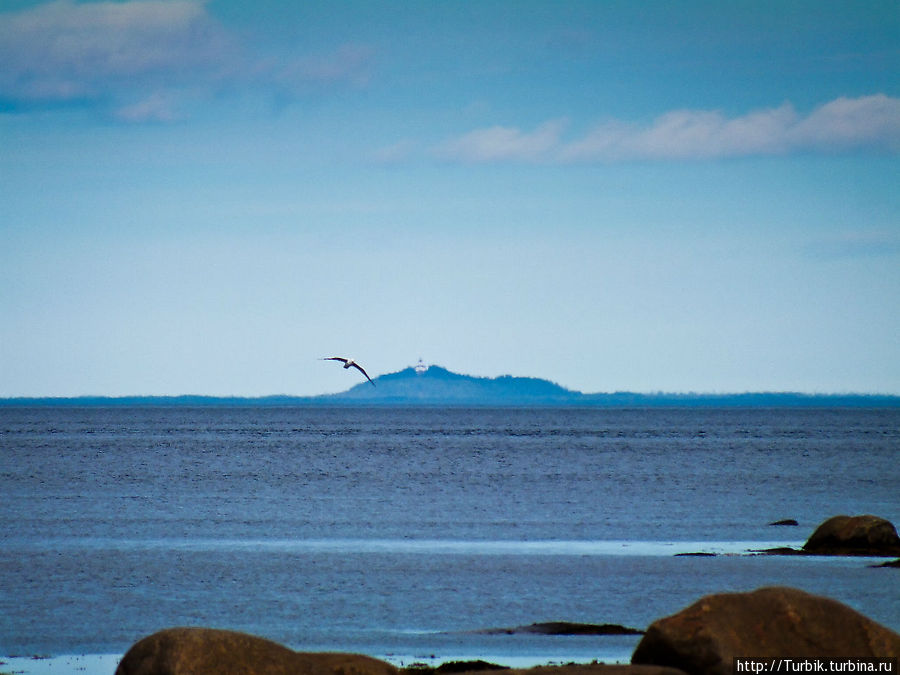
[617,400]
[435,386]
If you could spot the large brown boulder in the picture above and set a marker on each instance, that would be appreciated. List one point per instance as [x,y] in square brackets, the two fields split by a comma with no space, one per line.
[854,535]
[205,651]
[703,639]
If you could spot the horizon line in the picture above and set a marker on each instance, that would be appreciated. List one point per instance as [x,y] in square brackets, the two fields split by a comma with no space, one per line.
[574,393]
[421,368]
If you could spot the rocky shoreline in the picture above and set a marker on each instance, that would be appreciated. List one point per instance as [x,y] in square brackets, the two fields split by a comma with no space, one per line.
[862,536]
[702,639]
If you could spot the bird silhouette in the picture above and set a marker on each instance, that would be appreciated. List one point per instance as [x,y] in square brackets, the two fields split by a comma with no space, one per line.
[348,363]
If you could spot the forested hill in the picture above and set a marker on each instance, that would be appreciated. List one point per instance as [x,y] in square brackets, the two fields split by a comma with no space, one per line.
[439,385]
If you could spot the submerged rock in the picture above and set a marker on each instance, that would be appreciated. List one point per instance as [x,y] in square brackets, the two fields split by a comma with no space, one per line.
[781,550]
[704,638]
[206,651]
[467,667]
[569,628]
[564,628]
[854,535]
[889,563]
[787,522]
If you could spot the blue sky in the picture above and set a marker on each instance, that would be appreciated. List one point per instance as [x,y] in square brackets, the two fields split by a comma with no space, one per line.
[206,197]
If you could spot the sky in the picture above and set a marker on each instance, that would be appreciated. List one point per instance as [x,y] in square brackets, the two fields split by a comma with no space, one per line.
[206,197]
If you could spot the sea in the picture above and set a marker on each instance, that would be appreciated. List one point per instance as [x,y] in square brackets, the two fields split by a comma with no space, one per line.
[412,534]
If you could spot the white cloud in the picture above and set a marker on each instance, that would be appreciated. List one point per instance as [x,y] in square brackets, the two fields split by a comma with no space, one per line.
[849,122]
[63,50]
[132,56]
[685,134]
[503,143]
[870,122]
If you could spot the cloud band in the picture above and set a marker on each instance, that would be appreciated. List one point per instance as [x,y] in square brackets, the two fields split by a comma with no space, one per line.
[868,122]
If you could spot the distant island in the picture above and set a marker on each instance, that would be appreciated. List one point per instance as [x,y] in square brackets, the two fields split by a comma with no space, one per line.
[437,386]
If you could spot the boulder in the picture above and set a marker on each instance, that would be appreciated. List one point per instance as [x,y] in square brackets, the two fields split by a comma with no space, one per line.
[854,535]
[206,651]
[703,639]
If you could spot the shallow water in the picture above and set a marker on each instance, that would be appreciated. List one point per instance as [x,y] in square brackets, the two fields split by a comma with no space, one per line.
[401,533]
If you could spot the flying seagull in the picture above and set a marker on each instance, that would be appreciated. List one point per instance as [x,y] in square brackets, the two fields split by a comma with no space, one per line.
[348,363]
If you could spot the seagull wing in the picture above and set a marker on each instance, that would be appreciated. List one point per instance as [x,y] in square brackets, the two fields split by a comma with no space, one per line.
[360,369]
[334,358]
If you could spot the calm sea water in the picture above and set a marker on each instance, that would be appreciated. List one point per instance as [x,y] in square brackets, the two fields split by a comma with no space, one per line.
[402,533]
